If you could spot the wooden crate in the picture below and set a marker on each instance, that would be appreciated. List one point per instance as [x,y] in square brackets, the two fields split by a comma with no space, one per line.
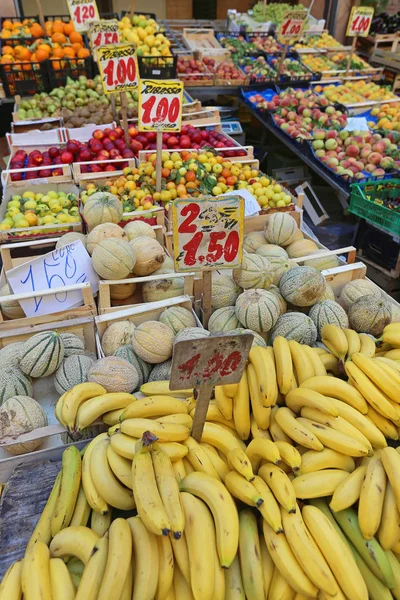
[81,176]
[206,77]
[65,177]
[203,41]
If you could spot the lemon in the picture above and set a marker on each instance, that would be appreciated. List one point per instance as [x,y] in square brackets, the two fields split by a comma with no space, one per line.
[48,219]
[30,204]
[5,226]
[28,195]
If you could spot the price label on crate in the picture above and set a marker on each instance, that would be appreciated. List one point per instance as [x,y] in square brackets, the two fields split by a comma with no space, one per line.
[208,233]
[103,33]
[292,23]
[360,21]
[83,13]
[160,105]
[118,67]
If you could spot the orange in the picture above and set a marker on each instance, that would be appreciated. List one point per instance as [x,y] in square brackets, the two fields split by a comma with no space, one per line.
[83,53]
[77,46]
[7,24]
[58,37]
[190,176]
[225,172]
[23,54]
[6,59]
[75,37]
[26,65]
[165,172]
[58,27]
[45,48]
[191,185]
[69,52]
[36,30]
[69,28]
[58,53]
[7,50]
[56,64]
[41,55]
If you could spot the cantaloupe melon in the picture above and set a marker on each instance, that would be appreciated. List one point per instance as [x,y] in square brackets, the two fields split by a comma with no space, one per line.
[328,312]
[191,333]
[223,319]
[103,232]
[102,207]
[224,291]
[166,267]
[370,314]
[323,263]
[272,252]
[122,291]
[302,286]
[139,228]
[177,318]
[395,316]
[42,354]
[150,255]
[328,294]
[301,248]
[114,374]
[117,334]
[10,355]
[299,235]
[257,341]
[356,289]
[253,240]
[10,308]
[162,371]
[113,258]
[279,267]
[13,382]
[254,272]
[295,326]
[153,342]
[72,371]
[18,415]
[280,229]
[72,344]
[143,368]
[70,237]
[282,302]
[160,289]
[257,310]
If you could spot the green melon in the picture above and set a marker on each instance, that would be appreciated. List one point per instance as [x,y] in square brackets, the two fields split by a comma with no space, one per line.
[102,207]
[153,342]
[104,232]
[42,354]
[272,252]
[302,286]
[223,319]
[300,248]
[280,229]
[328,312]
[166,267]
[224,291]
[282,302]
[370,314]
[323,263]
[143,368]
[177,318]
[21,414]
[117,334]
[113,258]
[10,355]
[279,267]
[72,344]
[11,308]
[356,289]
[162,371]
[161,289]
[254,272]
[257,310]
[13,382]
[191,333]
[73,370]
[257,341]
[295,326]
[253,240]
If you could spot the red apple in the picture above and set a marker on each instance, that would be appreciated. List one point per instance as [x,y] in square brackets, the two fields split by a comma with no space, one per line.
[66,157]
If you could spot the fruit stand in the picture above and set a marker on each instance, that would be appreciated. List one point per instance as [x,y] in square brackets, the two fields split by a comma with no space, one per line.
[198,398]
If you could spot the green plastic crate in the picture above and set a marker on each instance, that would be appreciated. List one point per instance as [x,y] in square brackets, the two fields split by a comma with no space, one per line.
[363,203]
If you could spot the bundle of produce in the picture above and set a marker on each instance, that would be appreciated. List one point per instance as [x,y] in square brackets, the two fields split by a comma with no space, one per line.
[388,117]
[324,40]
[57,48]
[145,34]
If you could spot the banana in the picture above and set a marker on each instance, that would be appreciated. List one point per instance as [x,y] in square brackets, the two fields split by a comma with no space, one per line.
[147,496]
[69,489]
[121,467]
[337,388]
[315,360]
[126,593]
[384,425]
[264,364]
[330,362]
[360,422]
[295,430]
[94,408]
[153,406]
[318,484]
[391,334]
[239,461]
[168,489]
[353,342]
[267,565]
[81,511]
[75,397]
[280,485]
[219,465]
[376,589]
[75,569]
[307,553]
[388,384]
[269,508]
[261,413]
[198,458]
[372,495]
[188,466]
[74,541]
[146,560]
[35,575]
[391,462]
[287,564]
[215,415]
[367,345]
[58,409]
[166,567]
[62,587]
[241,408]
[200,539]
[107,485]
[250,555]
[280,588]
[301,397]
[257,431]
[290,456]
[165,432]
[181,587]
[224,403]
[112,418]
[283,363]
[348,492]
[393,354]
[181,556]
[371,393]
[93,497]
[334,439]
[234,588]
[259,449]
[334,338]
[42,531]
[11,586]
[161,388]
[389,528]
[391,369]
[223,509]
[118,559]
[326,459]
[301,361]
[124,445]
[336,553]
[100,523]
[242,489]
[180,419]
[219,437]
[230,389]
[275,432]
[394,563]
[393,364]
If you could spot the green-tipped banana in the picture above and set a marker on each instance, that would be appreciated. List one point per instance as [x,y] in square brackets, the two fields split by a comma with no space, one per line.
[376,589]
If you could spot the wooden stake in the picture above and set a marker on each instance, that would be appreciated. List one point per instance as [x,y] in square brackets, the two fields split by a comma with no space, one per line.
[41,15]
[278,71]
[353,48]
[122,95]
[113,109]
[132,9]
[202,397]
[158,161]
[207,289]
[264,9]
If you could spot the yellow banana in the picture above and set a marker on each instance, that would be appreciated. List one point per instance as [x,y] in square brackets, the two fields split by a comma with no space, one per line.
[188,466]
[393,364]
[181,587]
[69,489]
[283,363]
[371,393]
[269,508]
[165,432]
[198,458]
[124,445]
[360,422]
[391,462]
[168,489]
[388,384]
[118,560]
[215,415]
[348,492]
[250,555]
[280,485]
[353,342]
[219,465]
[42,531]
[393,354]
[371,499]
[234,589]
[318,484]
[181,556]
[259,449]
[224,403]
[230,389]
[389,528]
[153,406]
[334,338]
[391,334]
[100,523]
[315,360]
[280,588]
[394,563]
[126,593]
[166,567]
[330,362]
[275,433]
[337,388]
[75,397]
[241,408]
[112,418]
[257,431]
[58,409]
[384,425]
[35,575]
[390,367]
[11,585]
[301,397]
[107,485]
[81,511]
[367,345]
[219,576]
[295,430]
[146,560]
[242,489]
[62,587]
[267,566]
[312,461]
[94,408]
[219,437]
[257,359]
[289,455]
[121,467]
[335,439]
[261,413]
[301,361]
[161,388]
[93,497]
[74,541]
[180,419]
[239,461]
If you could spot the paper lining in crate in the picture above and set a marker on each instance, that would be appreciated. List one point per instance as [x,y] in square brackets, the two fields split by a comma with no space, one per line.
[84,134]
[33,121]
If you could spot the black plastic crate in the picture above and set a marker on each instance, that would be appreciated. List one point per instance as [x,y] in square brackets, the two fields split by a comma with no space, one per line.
[69,67]
[377,246]
[25,79]
[158,67]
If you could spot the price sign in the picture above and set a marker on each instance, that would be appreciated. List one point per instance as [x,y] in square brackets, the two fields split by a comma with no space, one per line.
[118,67]
[293,23]
[160,105]
[360,21]
[83,12]
[103,33]
[208,233]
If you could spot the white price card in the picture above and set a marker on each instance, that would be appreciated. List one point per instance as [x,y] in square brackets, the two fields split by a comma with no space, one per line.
[64,266]
[160,105]
[360,21]
[292,23]
[83,13]
[118,67]
[103,33]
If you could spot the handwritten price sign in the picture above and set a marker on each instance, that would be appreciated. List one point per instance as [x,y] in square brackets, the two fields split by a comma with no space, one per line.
[293,23]
[360,21]
[83,12]
[208,234]
[118,68]
[103,33]
[64,266]
[160,105]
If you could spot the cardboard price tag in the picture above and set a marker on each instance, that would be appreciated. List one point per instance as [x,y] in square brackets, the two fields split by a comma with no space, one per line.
[160,105]
[360,21]
[103,33]
[208,233]
[293,23]
[83,12]
[118,68]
